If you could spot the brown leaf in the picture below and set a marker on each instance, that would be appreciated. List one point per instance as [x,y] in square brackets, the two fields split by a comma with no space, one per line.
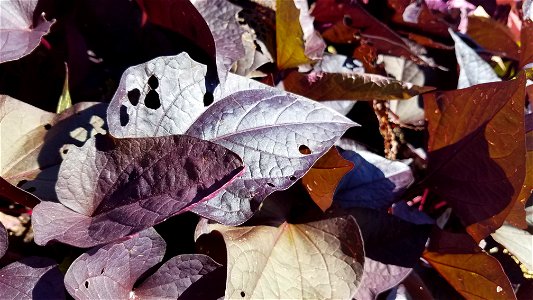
[336,86]
[493,36]
[428,22]
[474,276]
[289,36]
[476,151]
[323,178]
[526,40]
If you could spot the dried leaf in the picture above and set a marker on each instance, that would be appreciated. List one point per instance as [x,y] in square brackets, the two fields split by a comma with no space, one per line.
[323,178]
[316,260]
[474,276]
[289,36]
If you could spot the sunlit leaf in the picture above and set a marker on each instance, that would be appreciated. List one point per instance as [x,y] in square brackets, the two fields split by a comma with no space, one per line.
[323,178]
[316,260]
[518,242]
[289,36]
[493,35]
[65,101]
[474,276]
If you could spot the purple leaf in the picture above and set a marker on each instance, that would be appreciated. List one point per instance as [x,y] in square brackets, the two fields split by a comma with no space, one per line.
[271,130]
[379,277]
[175,276]
[19,35]
[3,240]
[374,182]
[110,188]
[31,278]
[110,271]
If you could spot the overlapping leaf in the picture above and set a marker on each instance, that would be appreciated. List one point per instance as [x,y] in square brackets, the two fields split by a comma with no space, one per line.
[494,36]
[479,131]
[110,271]
[18,33]
[32,278]
[379,277]
[289,36]
[474,276]
[32,141]
[322,259]
[323,178]
[110,188]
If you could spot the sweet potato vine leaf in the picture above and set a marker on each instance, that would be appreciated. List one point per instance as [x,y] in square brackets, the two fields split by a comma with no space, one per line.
[335,86]
[110,271]
[3,240]
[317,260]
[323,178]
[32,278]
[474,276]
[19,35]
[110,188]
[479,131]
[493,36]
[33,141]
[289,36]
[379,277]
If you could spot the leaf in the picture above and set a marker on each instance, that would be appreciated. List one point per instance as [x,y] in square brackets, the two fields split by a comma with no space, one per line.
[110,188]
[314,44]
[427,21]
[474,276]
[323,178]
[518,242]
[379,277]
[3,240]
[32,152]
[478,130]
[316,260]
[64,100]
[255,55]
[474,70]
[526,39]
[32,278]
[272,131]
[19,35]
[494,36]
[374,182]
[335,86]
[289,36]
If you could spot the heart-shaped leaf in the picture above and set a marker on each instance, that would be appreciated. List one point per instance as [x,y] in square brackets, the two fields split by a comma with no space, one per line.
[32,151]
[316,260]
[480,131]
[18,33]
[379,277]
[323,178]
[278,135]
[110,271]
[32,278]
[475,276]
[354,86]
[110,188]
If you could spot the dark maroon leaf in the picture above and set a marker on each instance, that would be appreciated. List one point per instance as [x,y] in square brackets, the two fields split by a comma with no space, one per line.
[110,188]
[31,278]
[3,240]
[19,35]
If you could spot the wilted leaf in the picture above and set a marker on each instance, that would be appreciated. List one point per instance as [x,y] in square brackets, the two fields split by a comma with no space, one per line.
[474,276]
[323,178]
[3,240]
[493,35]
[316,260]
[32,141]
[518,242]
[479,131]
[373,182]
[289,36]
[314,44]
[19,35]
[32,278]
[379,277]
[354,86]
[110,188]
[474,70]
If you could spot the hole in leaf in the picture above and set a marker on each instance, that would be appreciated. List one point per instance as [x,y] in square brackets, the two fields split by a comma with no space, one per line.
[304,149]
[152,100]
[65,151]
[47,126]
[347,20]
[293,178]
[102,272]
[86,284]
[243,294]
[208,98]
[31,189]
[153,82]
[270,184]
[20,183]
[124,117]
[134,96]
